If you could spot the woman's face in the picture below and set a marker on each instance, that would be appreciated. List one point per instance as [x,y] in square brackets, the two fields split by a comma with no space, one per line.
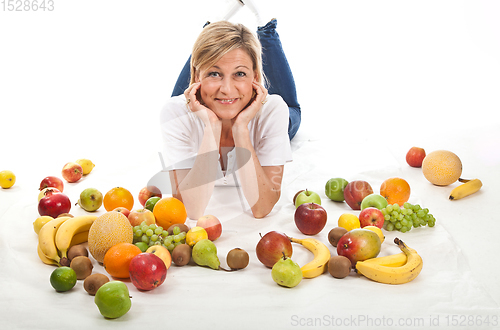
[226,88]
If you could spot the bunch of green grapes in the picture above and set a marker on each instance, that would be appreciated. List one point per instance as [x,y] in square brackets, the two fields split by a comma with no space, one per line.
[406,217]
[156,235]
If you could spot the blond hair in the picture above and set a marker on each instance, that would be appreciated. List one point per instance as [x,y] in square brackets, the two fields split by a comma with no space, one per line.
[219,38]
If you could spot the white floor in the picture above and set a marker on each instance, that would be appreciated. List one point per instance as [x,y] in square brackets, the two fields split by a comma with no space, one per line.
[374,78]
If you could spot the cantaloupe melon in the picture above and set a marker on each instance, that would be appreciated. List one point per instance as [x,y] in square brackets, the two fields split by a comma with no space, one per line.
[108,230]
[442,167]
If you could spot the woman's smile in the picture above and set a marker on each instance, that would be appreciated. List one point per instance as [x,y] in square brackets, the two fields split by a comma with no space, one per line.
[227,87]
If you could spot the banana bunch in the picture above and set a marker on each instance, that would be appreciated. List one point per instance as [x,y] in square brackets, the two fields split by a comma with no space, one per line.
[321,257]
[395,269]
[58,235]
[467,188]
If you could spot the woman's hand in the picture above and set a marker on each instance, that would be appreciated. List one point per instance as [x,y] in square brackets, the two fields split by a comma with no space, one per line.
[205,114]
[247,114]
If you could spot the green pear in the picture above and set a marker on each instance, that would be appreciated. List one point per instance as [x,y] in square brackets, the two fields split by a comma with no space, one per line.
[90,199]
[205,254]
[286,272]
[113,299]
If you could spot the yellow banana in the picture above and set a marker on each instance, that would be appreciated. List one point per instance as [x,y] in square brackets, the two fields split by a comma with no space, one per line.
[321,256]
[466,189]
[394,260]
[44,258]
[46,238]
[69,229]
[79,238]
[393,275]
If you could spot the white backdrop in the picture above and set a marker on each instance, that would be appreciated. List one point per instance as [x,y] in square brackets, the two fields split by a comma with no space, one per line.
[374,78]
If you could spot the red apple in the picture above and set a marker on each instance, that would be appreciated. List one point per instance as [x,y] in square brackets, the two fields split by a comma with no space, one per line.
[310,218]
[371,216]
[271,247]
[355,192]
[72,172]
[147,271]
[358,245]
[148,192]
[124,210]
[52,181]
[212,226]
[54,204]
[136,217]
[415,156]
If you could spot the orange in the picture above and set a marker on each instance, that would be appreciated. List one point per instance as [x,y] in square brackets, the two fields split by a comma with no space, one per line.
[169,211]
[117,259]
[442,167]
[106,231]
[395,190]
[118,197]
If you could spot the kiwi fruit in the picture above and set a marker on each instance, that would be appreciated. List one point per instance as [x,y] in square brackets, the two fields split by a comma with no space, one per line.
[335,234]
[237,259]
[339,266]
[295,196]
[182,227]
[93,282]
[77,250]
[82,267]
[181,254]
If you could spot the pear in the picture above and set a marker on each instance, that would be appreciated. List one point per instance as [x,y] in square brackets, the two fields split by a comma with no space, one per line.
[90,199]
[205,254]
[286,272]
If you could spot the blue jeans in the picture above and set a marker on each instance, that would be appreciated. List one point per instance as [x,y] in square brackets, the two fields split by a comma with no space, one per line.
[276,69]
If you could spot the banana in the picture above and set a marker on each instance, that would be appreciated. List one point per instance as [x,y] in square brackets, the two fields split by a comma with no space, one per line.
[69,229]
[394,260]
[79,238]
[44,258]
[465,189]
[46,238]
[321,256]
[393,275]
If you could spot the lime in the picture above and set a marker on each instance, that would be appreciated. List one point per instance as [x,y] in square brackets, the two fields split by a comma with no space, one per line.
[143,246]
[151,202]
[63,279]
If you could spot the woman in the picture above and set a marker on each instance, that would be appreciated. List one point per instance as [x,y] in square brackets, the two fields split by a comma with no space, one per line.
[225,125]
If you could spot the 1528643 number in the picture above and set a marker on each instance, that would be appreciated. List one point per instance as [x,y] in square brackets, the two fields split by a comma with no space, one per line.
[27,5]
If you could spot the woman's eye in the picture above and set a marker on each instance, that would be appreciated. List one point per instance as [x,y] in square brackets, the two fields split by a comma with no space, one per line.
[241,74]
[213,74]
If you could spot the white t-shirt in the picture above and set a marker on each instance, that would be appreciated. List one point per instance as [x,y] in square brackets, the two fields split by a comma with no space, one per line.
[182,133]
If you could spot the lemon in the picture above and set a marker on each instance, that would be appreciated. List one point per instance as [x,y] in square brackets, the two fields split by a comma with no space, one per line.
[40,222]
[63,278]
[349,221]
[86,165]
[7,179]
[377,231]
[195,234]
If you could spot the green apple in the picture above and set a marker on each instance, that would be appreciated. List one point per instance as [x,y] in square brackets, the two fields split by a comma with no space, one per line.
[113,299]
[90,199]
[334,189]
[307,196]
[286,272]
[151,202]
[374,200]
